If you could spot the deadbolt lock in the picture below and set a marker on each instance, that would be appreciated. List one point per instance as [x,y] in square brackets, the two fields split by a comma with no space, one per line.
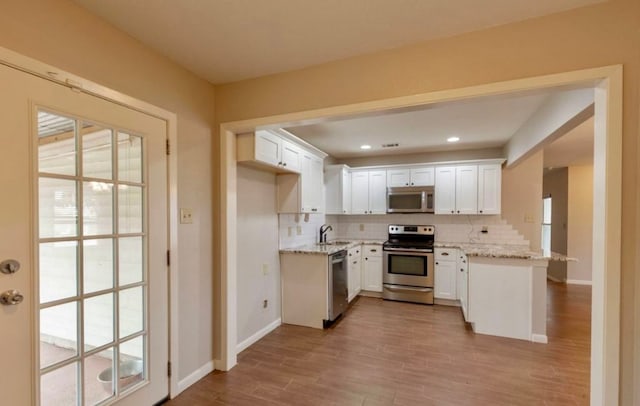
[9,266]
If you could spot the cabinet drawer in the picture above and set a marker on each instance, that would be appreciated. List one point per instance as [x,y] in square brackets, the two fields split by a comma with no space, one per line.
[372,250]
[446,254]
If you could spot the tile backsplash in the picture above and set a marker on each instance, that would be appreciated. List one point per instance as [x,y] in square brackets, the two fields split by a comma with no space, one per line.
[448,228]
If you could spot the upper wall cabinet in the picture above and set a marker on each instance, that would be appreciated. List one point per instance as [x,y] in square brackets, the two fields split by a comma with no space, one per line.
[270,151]
[337,184]
[369,192]
[302,193]
[468,189]
[423,176]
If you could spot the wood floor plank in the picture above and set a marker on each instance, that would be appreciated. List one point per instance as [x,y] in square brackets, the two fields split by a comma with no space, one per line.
[384,353]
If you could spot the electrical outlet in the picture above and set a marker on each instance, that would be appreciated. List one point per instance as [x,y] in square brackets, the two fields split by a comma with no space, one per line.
[265,303]
[298,230]
[265,269]
[289,231]
[186,216]
[361,227]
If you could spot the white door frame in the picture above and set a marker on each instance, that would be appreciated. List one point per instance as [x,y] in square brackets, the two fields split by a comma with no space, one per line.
[51,73]
[605,321]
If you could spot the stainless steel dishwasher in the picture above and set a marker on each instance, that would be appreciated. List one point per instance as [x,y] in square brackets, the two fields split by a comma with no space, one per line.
[338,290]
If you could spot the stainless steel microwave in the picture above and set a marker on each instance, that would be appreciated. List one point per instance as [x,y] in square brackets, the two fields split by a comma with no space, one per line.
[410,199]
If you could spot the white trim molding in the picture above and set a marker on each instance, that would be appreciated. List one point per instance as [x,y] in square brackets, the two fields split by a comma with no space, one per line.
[194,377]
[258,335]
[578,282]
[539,338]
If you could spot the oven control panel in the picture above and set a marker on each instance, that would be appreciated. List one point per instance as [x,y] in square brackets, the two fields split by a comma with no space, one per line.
[411,230]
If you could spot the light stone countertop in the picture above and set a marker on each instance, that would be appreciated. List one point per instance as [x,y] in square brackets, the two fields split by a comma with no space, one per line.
[328,249]
[503,251]
[470,249]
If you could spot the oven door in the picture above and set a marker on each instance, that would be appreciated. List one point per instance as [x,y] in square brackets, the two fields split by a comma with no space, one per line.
[408,267]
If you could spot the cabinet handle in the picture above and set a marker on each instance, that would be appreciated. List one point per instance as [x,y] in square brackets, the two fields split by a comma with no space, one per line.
[461,270]
[412,183]
[366,259]
[279,163]
[374,250]
[458,211]
[406,184]
[452,211]
[355,262]
[284,164]
[437,263]
[445,254]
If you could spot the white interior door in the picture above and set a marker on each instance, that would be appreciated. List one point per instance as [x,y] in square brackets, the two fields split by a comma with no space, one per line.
[84,212]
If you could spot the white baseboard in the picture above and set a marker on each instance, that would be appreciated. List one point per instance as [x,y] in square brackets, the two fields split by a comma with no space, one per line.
[551,278]
[539,338]
[194,377]
[578,282]
[258,335]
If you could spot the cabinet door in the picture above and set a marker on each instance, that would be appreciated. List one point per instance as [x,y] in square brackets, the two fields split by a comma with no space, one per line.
[360,192]
[373,274]
[317,184]
[346,191]
[398,177]
[422,176]
[378,192]
[467,189]
[291,156]
[489,189]
[445,190]
[445,280]
[268,148]
[306,181]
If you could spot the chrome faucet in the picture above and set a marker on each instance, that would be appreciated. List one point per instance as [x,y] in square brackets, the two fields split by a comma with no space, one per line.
[324,229]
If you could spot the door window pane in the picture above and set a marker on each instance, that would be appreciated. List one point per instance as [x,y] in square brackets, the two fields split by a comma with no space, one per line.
[130,259]
[56,144]
[58,333]
[98,377]
[97,208]
[97,151]
[60,387]
[131,311]
[131,364]
[129,209]
[98,265]
[58,270]
[129,158]
[58,212]
[98,321]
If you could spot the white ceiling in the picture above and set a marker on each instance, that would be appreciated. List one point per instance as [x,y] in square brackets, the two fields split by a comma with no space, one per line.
[573,148]
[230,40]
[479,123]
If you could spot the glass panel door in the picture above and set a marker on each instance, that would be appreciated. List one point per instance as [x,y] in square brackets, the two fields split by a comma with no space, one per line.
[92,260]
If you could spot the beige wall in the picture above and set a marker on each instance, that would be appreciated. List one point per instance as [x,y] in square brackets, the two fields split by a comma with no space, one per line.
[522,198]
[580,220]
[257,237]
[593,36]
[64,35]
[555,184]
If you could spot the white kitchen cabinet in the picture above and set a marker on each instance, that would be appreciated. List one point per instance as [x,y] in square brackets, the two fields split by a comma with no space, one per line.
[337,185]
[423,176]
[462,282]
[355,271]
[489,188]
[369,192]
[445,274]
[302,193]
[445,190]
[270,151]
[372,268]
[467,189]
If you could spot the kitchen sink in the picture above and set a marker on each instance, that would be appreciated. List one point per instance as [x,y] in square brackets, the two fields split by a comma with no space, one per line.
[338,242]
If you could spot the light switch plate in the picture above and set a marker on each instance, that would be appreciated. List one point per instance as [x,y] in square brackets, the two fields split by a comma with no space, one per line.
[186,216]
[361,227]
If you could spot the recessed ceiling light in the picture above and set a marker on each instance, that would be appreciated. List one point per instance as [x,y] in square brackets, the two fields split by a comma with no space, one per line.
[365,146]
[453,139]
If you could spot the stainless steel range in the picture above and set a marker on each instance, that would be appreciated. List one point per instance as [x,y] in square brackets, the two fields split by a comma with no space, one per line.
[408,264]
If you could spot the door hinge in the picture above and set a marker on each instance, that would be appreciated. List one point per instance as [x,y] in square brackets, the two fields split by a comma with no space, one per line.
[169,369]
[168,147]
[168,258]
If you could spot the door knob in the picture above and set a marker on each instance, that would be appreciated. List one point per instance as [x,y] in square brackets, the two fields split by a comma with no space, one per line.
[11,297]
[9,266]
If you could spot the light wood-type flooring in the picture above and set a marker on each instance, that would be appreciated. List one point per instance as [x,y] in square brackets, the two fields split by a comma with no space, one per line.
[392,353]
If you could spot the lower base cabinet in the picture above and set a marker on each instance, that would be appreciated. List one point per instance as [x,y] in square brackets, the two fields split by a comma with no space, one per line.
[355,271]
[445,274]
[372,268]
